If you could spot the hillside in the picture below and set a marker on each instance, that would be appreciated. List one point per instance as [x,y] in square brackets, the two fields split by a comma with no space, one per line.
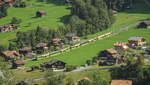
[56,15]
[79,56]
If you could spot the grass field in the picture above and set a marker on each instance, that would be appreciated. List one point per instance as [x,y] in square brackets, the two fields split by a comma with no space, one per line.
[79,56]
[56,16]
[104,74]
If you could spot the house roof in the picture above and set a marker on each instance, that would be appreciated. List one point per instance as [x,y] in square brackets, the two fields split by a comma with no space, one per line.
[56,39]
[114,12]
[10,53]
[19,62]
[145,22]
[120,44]
[135,38]
[42,12]
[41,45]
[121,82]
[25,49]
[111,50]
[54,61]
[70,34]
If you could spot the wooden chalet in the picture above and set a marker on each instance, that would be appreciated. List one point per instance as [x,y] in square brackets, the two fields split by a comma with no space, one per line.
[10,54]
[110,55]
[72,37]
[121,46]
[25,50]
[54,64]
[144,24]
[9,2]
[40,14]
[121,82]
[136,41]
[42,46]
[7,28]
[56,42]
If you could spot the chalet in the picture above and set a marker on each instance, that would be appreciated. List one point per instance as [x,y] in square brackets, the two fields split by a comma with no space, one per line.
[144,24]
[40,14]
[7,28]
[110,55]
[136,41]
[56,42]
[10,54]
[42,46]
[25,50]
[54,64]
[121,46]
[121,82]
[17,64]
[72,37]
[9,2]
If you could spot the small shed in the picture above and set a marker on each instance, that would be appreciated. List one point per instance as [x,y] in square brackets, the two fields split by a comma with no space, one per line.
[72,37]
[121,82]
[40,13]
[144,24]
[10,54]
[136,41]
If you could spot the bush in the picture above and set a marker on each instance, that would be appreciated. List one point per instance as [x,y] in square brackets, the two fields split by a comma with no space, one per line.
[70,68]
[88,62]
[16,21]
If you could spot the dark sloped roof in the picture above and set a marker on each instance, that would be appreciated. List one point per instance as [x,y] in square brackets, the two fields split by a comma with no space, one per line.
[54,61]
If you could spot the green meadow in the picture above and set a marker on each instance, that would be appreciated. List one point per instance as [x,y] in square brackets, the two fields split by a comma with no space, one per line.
[57,15]
[79,55]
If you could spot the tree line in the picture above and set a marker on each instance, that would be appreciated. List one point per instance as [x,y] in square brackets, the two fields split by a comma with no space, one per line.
[119,5]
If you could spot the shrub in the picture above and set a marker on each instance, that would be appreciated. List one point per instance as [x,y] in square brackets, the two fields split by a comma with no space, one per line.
[70,68]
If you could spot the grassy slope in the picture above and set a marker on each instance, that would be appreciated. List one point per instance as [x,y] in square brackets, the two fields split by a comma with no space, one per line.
[80,55]
[55,17]
[105,75]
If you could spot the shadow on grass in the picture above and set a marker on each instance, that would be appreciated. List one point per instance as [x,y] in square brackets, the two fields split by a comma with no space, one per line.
[140,7]
[64,19]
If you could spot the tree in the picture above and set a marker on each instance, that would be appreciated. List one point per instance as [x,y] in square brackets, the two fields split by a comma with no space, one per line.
[84,82]
[69,81]
[16,20]
[54,80]
[3,11]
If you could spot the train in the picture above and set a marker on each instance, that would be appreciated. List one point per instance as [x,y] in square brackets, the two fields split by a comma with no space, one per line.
[77,45]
